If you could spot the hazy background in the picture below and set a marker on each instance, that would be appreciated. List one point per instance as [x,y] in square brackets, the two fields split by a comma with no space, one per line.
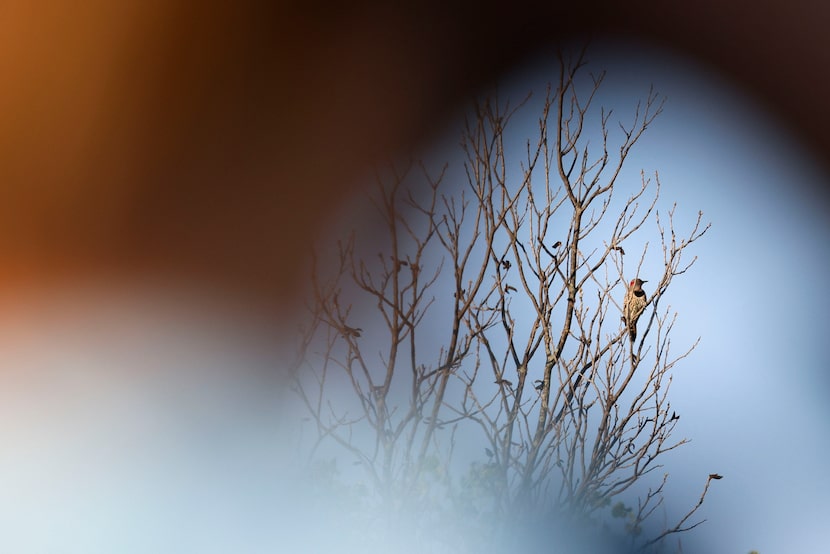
[164,169]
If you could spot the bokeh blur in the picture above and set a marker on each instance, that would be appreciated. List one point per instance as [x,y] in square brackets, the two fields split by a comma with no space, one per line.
[165,167]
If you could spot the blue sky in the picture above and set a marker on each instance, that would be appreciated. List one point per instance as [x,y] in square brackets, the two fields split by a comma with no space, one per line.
[753,394]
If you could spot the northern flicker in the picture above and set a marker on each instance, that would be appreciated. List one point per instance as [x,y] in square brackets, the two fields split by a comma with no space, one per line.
[633,306]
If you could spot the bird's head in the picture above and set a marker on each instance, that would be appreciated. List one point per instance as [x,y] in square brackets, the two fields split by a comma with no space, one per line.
[637,283]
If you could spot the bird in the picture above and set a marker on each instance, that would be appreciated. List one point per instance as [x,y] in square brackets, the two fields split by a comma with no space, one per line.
[633,306]
[351,331]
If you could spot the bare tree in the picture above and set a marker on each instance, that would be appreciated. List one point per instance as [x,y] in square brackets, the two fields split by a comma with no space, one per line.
[500,306]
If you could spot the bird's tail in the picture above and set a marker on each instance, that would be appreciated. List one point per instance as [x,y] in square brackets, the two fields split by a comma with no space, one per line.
[632,329]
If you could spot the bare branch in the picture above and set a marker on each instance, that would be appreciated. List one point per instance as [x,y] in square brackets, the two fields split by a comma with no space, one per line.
[493,310]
